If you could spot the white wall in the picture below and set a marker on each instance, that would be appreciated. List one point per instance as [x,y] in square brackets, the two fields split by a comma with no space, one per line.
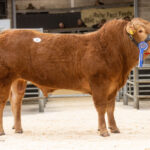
[4,24]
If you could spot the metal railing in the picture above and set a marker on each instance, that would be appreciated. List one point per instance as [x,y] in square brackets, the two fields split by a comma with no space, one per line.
[137,87]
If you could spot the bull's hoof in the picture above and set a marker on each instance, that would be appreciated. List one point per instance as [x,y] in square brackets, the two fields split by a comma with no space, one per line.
[19,131]
[116,130]
[104,134]
[2,133]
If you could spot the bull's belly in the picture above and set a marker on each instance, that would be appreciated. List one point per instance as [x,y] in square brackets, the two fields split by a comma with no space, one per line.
[58,81]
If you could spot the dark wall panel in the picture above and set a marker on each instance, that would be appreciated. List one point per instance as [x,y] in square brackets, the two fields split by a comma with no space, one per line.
[3,4]
[47,21]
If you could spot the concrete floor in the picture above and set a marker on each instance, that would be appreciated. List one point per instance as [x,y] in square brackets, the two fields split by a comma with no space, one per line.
[71,124]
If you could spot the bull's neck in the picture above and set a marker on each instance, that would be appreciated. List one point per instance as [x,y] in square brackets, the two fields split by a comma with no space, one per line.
[115,36]
[130,50]
[129,54]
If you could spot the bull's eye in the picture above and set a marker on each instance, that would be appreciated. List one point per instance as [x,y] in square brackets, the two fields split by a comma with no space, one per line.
[140,31]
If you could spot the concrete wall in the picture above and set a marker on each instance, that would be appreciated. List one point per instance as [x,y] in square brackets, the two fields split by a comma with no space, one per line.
[116,1]
[9,10]
[81,3]
[22,4]
[47,4]
[144,9]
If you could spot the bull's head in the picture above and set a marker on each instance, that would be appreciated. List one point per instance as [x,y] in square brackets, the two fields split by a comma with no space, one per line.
[139,32]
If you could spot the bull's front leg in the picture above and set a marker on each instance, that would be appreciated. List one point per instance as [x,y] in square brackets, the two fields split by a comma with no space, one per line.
[4,93]
[100,96]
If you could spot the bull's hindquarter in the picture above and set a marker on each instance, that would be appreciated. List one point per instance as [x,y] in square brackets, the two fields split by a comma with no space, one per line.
[88,63]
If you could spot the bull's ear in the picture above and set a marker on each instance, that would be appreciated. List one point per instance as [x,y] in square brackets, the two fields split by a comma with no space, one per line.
[130,28]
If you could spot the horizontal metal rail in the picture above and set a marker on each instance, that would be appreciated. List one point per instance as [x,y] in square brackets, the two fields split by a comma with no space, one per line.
[32,87]
[129,95]
[144,86]
[33,98]
[141,75]
[143,81]
[141,91]
[139,81]
[33,93]
[130,82]
[70,95]
[139,96]
[145,66]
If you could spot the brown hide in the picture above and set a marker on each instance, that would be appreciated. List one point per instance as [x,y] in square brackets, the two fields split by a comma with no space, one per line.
[97,63]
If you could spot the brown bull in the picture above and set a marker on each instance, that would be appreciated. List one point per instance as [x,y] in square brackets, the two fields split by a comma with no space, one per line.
[97,63]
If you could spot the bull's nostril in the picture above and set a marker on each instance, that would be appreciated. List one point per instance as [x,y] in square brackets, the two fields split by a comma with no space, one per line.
[140,31]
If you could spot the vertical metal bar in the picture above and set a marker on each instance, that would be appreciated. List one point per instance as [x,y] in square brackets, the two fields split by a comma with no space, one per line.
[121,93]
[130,85]
[117,97]
[45,101]
[125,97]
[41,102]
[14,13]
[72,3]
[135,8]
[136,88]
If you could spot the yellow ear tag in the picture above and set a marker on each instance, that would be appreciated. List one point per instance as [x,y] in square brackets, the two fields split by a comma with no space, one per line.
[131,32]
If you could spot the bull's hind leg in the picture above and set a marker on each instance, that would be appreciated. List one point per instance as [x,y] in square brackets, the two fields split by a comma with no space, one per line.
[99,93]
[17,93]
[110,114]
[4,93]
